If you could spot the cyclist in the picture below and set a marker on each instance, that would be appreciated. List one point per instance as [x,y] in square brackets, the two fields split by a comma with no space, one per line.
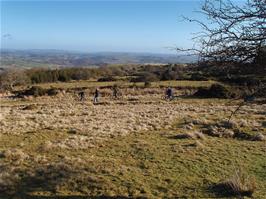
[96,96]
[169,93]
[81,95]
[115,91]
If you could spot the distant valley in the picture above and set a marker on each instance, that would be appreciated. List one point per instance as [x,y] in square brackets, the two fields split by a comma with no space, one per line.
[61,58]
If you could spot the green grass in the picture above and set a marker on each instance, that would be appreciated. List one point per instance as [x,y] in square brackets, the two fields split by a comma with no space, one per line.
[150,164]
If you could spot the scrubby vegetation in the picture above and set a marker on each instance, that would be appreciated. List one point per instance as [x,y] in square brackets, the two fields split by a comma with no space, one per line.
[134,73]
[215,91]
[37,91]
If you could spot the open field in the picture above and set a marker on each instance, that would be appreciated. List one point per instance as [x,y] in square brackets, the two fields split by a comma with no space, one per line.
[140,146]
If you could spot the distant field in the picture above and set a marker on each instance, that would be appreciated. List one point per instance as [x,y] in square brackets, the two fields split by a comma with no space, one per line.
[26,64]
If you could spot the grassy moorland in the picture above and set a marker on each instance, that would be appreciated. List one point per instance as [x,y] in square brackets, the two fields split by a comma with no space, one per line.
[140,146]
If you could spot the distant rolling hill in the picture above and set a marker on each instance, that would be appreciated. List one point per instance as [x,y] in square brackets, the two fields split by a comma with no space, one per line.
[60,58]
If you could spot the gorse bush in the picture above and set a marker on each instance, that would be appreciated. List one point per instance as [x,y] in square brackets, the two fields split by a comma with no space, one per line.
[106,79]
[147,84]
[145,77]
[198,77]
[63,75]
[37,91]
[215,91]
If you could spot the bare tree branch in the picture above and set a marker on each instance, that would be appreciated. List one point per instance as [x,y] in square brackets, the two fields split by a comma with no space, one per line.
[234,32]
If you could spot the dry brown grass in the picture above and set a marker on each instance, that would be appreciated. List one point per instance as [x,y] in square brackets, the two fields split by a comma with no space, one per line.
[190,135]
[240,184]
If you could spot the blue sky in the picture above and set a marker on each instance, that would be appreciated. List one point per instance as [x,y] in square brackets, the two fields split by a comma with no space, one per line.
[94,26]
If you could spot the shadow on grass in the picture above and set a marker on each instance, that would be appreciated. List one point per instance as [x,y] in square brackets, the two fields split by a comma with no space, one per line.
[45,179]
[75,197]
[222,191]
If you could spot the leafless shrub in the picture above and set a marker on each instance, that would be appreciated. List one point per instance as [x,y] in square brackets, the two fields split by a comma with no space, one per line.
[237,33]
[11,78]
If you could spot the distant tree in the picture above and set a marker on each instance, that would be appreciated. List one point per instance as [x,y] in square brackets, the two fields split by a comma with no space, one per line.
[11,78]
[145,77]
[63,76]
[234,32]
[170,73]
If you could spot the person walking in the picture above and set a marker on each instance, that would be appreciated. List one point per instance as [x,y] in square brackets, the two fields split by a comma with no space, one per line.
[96,96]
[81,95]
[116,92]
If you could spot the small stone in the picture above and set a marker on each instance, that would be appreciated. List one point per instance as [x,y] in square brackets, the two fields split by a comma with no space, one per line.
[72,131]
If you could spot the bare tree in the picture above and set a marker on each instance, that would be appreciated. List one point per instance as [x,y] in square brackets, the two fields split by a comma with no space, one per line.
[11,78]
[234,31]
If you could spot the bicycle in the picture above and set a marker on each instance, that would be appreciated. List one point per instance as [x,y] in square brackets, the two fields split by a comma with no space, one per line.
[167,98]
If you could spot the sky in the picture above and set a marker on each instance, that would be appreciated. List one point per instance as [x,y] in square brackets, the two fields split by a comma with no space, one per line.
[98,26]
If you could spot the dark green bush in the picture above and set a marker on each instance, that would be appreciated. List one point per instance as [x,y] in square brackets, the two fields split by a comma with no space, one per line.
[52,91]
[242,80]
[106,79]
[145,77]
[147,84]
[198,77]
[169,75]
[215,91]
[37,91]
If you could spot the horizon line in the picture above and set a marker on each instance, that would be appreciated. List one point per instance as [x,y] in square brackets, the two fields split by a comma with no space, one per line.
[89,52]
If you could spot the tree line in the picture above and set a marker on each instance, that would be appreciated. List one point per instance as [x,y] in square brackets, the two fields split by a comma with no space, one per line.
[135,73]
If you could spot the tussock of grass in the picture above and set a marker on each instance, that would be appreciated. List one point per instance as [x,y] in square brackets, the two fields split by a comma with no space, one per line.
[240,184]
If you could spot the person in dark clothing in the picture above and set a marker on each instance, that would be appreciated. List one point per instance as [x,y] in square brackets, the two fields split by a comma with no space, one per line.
[169,93]
[96,96]
[115,92]
[81,95]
